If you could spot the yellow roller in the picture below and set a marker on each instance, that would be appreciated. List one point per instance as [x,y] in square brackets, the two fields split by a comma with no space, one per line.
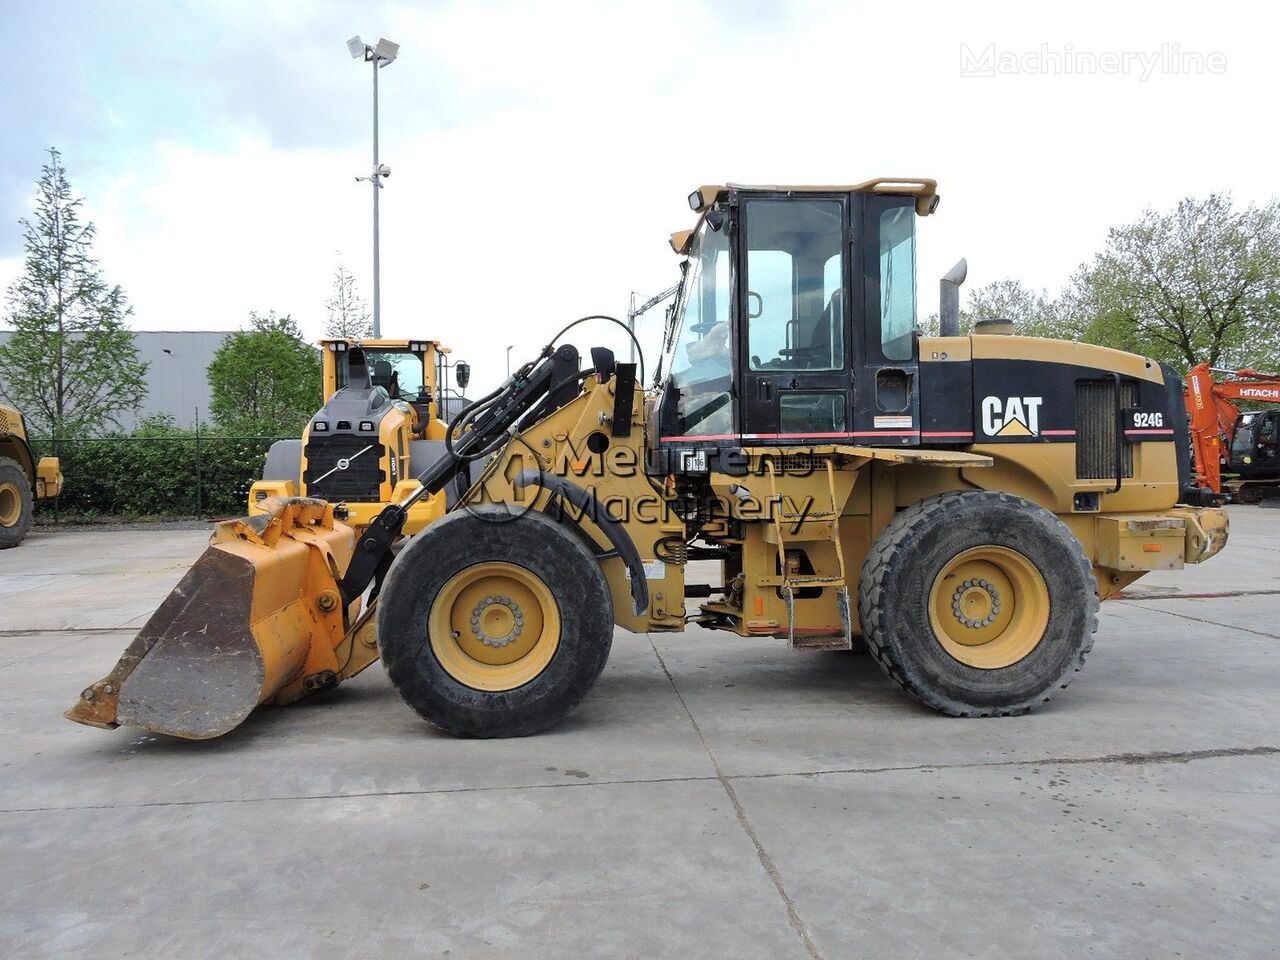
[257,619]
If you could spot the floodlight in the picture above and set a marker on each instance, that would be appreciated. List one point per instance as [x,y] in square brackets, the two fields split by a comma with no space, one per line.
[386,50]
[356,46]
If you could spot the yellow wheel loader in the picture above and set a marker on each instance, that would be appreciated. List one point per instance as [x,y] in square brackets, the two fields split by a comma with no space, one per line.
[23,479]
[381,424]
[960,503]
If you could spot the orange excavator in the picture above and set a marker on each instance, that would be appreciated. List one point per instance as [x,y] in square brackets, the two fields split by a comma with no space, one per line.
[1224,439]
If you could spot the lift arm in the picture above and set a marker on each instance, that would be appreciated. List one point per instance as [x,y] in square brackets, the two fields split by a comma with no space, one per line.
[551,380]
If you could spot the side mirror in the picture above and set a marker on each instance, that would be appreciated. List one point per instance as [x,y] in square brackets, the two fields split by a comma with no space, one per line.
[462,374]
[602,360]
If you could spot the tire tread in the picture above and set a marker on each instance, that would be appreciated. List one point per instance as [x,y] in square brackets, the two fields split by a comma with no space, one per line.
[12,471]
[879,564]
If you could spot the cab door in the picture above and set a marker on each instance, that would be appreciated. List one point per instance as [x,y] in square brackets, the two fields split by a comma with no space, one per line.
[886,400]
[793,337]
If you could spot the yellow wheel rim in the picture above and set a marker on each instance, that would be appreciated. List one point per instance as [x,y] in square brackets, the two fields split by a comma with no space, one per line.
[989,607]
[494,626]
[10,504]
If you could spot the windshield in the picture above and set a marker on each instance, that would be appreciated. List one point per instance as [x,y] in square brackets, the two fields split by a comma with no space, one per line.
[399,372]
[697,357]
[1242,440]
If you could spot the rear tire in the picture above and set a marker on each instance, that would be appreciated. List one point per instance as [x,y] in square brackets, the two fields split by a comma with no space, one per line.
[493,626]
[15,503]
[978,604]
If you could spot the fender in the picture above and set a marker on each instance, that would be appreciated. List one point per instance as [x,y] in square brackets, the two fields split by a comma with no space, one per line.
[588,505]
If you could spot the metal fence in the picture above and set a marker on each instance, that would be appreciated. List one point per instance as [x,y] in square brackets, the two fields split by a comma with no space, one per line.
[193,474]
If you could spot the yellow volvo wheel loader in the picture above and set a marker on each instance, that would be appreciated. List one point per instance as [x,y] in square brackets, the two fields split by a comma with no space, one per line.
[380,426]
[23,479]
[960,502]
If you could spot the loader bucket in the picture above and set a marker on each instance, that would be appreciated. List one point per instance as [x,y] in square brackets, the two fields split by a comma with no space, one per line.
[258,618]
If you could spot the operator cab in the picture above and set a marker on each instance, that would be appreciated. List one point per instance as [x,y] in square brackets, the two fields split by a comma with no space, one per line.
[1255,445]
[795,320]
[402,370]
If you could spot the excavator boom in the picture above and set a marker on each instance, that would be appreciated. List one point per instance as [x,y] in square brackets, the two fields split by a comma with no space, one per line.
[1215,416]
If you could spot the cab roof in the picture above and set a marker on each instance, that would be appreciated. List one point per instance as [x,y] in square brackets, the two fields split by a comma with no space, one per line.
[372,344]
[701,200]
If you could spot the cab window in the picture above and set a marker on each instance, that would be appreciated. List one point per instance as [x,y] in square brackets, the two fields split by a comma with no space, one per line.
[399,372]
[897,282]
[795,268]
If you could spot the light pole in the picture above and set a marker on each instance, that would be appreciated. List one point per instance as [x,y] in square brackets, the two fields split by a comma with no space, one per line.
[380,55]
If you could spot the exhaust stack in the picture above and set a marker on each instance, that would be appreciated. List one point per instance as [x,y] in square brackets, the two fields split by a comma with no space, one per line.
[949,299]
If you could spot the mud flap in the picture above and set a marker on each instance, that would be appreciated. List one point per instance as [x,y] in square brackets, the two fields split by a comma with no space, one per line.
[587,505]
[789,596]
[846,617]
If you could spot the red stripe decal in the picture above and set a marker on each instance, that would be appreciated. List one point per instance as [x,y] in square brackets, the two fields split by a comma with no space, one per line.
[1057,433]
[711,436]
[947,433]
[829,436]
[796,436]
[1166,432]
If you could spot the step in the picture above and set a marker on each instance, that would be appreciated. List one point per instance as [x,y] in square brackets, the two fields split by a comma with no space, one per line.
[804,580]
[835,642]
[810,580]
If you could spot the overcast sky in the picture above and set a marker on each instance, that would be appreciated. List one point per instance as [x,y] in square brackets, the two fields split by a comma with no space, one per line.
[542,152]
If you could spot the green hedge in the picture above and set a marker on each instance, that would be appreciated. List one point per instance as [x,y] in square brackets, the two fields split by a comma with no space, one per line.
[144,474]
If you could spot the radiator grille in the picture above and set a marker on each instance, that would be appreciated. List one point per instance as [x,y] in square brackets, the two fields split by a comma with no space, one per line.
[799,464]
[5,425]
[1096,429]
[359,482]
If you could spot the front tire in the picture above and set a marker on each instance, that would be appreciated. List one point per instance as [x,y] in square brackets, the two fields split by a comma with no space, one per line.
[15,503]
[494,626]
[978,604]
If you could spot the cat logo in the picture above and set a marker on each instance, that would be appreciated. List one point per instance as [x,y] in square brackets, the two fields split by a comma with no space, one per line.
[1011,416]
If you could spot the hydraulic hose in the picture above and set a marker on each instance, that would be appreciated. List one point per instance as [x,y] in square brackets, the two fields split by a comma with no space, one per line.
[601,316]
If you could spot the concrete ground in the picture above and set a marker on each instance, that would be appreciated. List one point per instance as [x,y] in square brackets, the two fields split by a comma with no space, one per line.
[714,797]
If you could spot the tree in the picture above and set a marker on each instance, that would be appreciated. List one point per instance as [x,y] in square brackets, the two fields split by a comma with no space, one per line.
[265,380]
[1034,312]
[348,313]
[1199,283]
[71,364]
